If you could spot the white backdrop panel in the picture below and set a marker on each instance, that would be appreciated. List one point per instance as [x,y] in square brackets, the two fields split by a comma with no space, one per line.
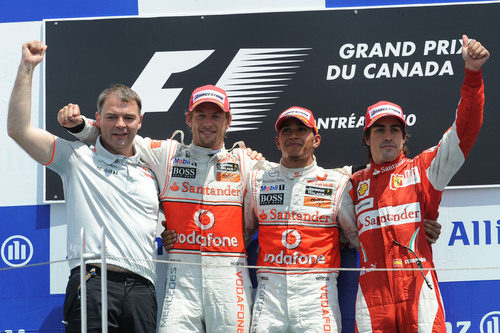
[18,172]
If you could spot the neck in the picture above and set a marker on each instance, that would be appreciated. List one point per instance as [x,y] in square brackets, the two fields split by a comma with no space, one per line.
[126,151]
[380,161]
[217,146]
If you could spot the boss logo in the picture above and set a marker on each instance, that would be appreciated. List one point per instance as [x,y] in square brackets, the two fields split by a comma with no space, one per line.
[182,172]
[271,199]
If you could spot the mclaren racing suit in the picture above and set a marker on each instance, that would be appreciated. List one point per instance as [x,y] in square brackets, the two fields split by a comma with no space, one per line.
[391,201]
[296,214]
[201,192]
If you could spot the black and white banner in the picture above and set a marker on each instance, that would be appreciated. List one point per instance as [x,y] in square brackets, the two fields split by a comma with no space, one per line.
[335,63]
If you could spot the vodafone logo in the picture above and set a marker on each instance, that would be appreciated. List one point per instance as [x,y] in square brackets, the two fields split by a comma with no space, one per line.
[290,239]
[204,219]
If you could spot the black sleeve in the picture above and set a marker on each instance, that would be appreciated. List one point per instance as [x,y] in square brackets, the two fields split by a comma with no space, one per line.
[77,128]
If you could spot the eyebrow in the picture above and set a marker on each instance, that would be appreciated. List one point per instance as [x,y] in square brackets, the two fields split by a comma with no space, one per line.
[391,126]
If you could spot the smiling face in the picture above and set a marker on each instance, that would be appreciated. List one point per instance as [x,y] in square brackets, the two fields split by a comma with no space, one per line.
[297,143]
[119,122]
[209,125]
[385,140]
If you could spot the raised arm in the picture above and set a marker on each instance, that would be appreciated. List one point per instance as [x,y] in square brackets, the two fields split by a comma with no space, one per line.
[37,142]
[448,156]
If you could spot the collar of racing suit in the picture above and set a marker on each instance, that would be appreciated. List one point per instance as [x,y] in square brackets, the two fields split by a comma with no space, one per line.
[298,172]
[388,166]
[203,153]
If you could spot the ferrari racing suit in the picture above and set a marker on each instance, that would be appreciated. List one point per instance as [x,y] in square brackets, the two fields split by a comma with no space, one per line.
[296,211]
[391,201]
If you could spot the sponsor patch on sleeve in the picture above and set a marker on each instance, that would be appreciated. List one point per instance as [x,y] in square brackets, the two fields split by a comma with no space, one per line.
[363,189]
[155,144]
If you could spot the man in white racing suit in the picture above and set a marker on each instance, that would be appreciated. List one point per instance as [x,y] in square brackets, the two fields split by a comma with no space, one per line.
[295,206]
[201,191]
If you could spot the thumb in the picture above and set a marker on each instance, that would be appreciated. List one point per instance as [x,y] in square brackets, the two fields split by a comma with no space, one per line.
[76,111]
[465,41]
[164,224]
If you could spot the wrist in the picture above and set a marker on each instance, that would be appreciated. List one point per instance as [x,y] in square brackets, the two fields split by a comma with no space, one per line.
[76,129]
[473,68]
[26,67]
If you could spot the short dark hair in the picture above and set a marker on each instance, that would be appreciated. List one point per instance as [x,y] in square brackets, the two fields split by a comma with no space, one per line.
[366,135]
[124,93]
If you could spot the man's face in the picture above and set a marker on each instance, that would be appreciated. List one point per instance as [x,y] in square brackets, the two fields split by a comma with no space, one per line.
[119,123]
[209,125]
[296,141]
[385,140]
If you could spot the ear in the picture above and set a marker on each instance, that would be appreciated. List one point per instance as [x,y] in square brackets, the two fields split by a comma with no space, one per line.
[189,116]
[367,140]
[97,119]
[229,121]
[277,140]
[317,141]
[140,123]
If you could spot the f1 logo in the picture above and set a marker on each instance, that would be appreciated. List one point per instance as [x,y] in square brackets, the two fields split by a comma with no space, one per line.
[253,80]
[149,84]
[17,251]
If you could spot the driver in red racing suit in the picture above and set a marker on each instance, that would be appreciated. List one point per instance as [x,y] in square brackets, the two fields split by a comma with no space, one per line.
[394,195]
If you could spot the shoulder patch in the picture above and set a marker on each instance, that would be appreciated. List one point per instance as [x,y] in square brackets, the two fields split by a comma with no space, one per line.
[155,144]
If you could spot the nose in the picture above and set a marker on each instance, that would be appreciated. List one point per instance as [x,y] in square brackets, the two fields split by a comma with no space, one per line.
[294,133]
[387,136]
[207,122]
[120,122]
